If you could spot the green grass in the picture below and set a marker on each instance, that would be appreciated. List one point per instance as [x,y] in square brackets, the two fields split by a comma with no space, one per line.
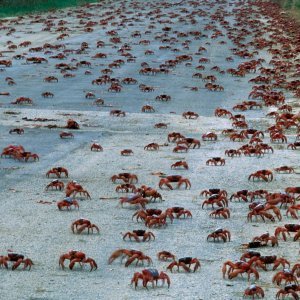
[291,6]
[10,8]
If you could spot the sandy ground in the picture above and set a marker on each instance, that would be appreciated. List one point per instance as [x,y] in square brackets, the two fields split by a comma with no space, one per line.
[43,233]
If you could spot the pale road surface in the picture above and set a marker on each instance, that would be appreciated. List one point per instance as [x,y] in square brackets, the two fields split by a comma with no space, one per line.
[43,233]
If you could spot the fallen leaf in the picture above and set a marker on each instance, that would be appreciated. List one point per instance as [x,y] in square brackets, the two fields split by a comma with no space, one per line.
[158,173]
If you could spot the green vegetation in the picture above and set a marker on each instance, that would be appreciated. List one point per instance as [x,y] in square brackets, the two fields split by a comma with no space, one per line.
[20,7]
[291,6]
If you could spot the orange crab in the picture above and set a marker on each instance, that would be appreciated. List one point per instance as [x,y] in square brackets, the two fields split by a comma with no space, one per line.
[180,164]
[174,178]
[254,290]
[266,175]
[132,255]
[80,225]
[165,255]
[137,234]
[150,275]
[216,161]
[77,256]
[185,263]
[17,260]
[224,234]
